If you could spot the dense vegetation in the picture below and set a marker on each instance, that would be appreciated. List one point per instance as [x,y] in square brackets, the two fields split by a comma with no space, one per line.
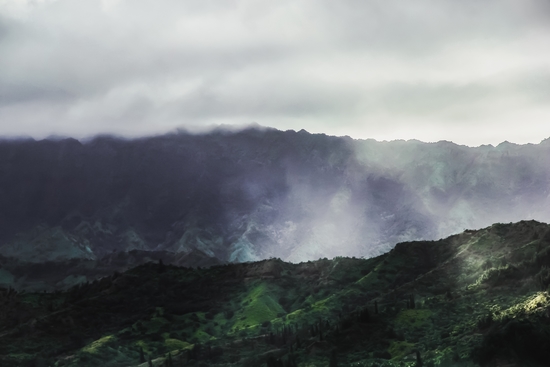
[477,298]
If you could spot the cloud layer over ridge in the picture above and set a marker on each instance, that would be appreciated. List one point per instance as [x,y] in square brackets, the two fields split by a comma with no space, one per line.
[472,72]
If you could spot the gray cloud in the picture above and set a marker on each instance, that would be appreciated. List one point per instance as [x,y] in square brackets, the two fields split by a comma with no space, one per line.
[426,69]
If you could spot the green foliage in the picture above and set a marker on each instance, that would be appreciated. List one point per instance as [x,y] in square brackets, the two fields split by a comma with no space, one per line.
[175,344]
[258,306]
[97,346]
[467,298]
[494,276]
[543,278]
[535,304]
[413,318]
[517,338]
[399,349]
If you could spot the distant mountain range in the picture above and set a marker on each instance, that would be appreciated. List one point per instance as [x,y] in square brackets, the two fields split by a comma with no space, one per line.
[255,194]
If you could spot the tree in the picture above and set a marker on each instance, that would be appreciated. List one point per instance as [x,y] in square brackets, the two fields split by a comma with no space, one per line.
[141,356]
[364,315]
[272,362]
[418,360]
[333,362]
[376,307]
[150,362]
[161,268]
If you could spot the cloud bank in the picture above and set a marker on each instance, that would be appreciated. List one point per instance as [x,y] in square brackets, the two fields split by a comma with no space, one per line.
[472,72]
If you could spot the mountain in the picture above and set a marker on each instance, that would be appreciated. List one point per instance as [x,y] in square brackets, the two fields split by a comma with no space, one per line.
[479,298]
[254,194]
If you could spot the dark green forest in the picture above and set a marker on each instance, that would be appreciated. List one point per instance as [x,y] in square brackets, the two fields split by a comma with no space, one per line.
[479,298]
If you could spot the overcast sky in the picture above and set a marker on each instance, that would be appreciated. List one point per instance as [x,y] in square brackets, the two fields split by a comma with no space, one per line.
[471,71]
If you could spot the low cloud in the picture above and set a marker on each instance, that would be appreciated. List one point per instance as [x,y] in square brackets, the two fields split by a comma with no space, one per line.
[429,70]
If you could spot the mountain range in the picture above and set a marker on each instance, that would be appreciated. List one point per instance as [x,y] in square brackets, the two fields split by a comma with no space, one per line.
[104,204]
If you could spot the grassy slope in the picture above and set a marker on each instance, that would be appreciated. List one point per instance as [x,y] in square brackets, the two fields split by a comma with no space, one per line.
[479,297]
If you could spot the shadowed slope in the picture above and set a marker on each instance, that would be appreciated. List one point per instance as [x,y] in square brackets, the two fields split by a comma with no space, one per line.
[476,298]
[256,194]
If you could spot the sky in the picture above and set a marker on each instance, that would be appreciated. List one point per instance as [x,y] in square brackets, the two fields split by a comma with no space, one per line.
[469,71]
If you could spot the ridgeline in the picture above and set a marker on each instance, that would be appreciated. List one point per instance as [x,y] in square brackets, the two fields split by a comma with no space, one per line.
[479,298]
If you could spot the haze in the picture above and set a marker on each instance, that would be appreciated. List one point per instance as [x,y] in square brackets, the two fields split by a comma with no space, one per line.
[473,72]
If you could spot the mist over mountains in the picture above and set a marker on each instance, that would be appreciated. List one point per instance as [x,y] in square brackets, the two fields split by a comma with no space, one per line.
[255,194]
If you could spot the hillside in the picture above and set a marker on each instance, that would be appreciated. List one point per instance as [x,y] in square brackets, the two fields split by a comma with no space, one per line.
[476,298]
[254,194]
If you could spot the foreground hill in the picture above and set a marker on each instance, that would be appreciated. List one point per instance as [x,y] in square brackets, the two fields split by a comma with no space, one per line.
[255,194]
[476,298]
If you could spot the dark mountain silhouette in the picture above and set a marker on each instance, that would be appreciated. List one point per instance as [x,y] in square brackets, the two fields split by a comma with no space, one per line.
[256,194]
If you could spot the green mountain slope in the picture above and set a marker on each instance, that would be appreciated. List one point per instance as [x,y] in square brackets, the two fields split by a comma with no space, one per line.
[477,298]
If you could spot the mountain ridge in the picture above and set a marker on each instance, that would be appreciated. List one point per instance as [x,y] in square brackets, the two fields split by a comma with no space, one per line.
[478,298]
[260,193]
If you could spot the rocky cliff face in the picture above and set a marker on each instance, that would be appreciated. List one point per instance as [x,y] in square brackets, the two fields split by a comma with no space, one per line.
[257,193]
